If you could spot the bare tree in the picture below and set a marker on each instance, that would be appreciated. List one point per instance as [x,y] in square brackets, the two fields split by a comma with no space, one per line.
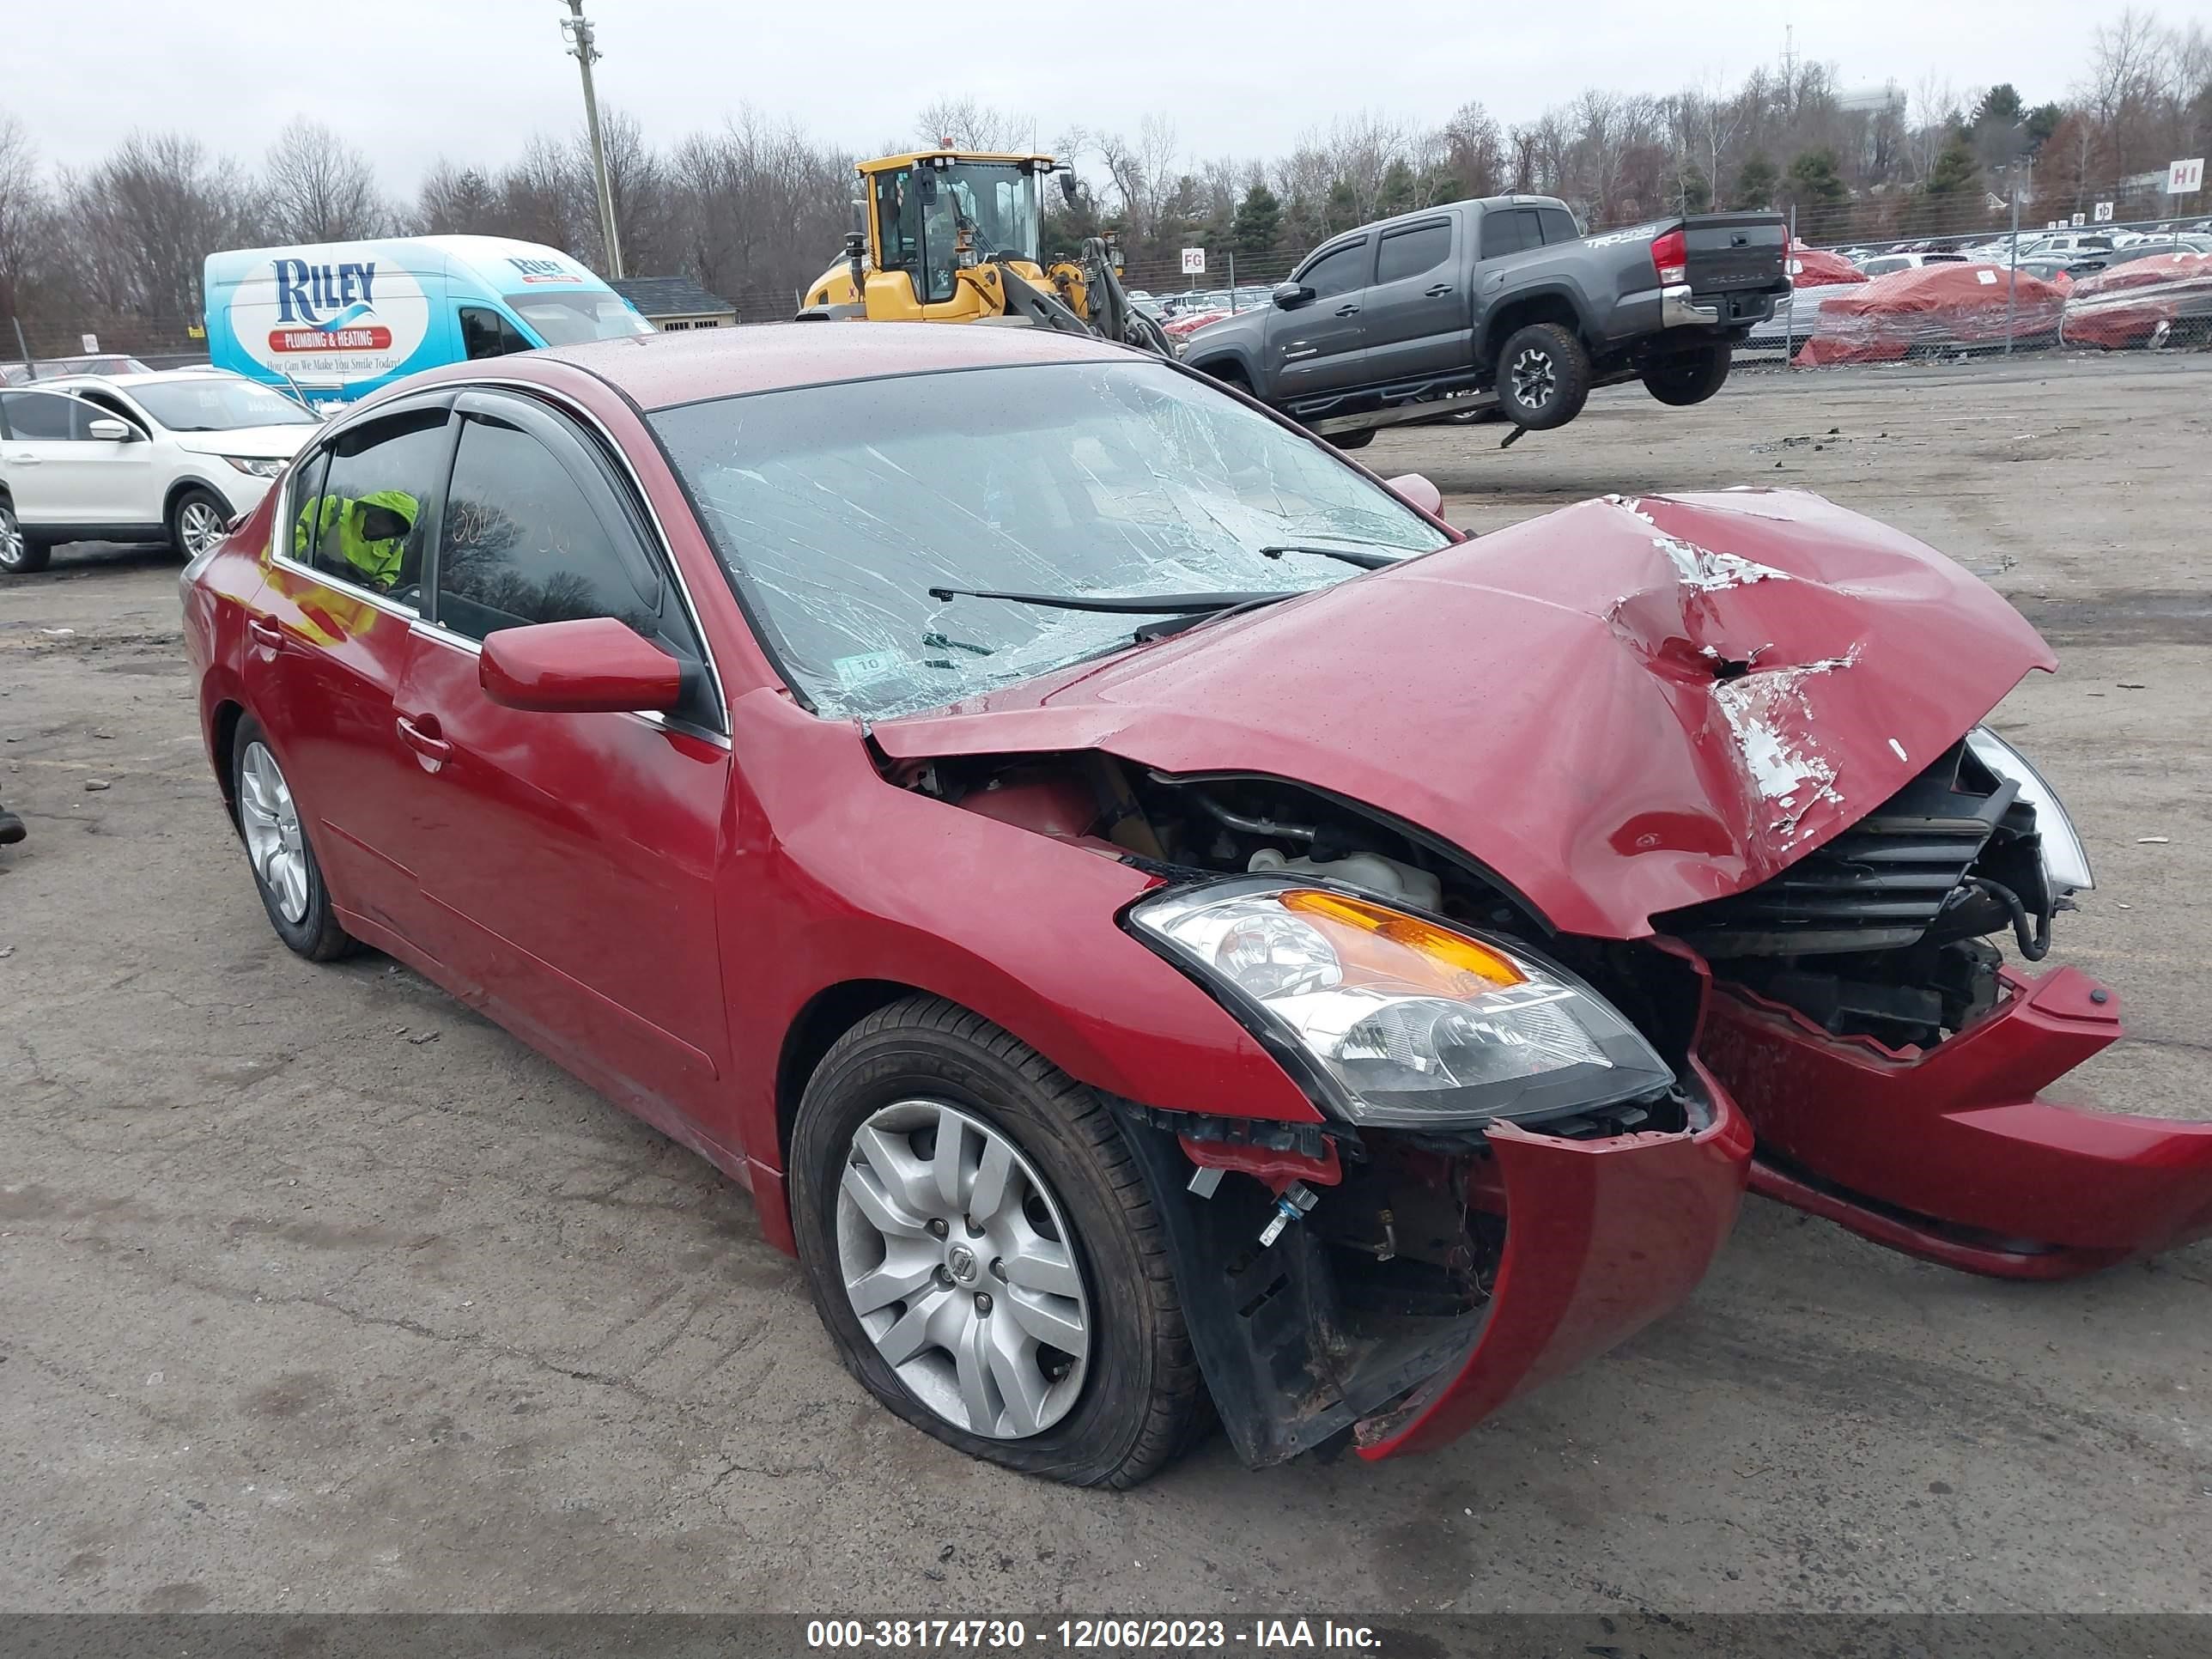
[27,212]
[317,188]
[1142,172]
[143,222]
[459,200]
[1934,112]
[967,125]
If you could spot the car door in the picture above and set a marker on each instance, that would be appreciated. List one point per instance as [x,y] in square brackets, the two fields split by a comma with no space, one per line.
[570,860]
[135,471]
[1416,311]
[328,648]
[1504,232]
[62,478]
[1316,345]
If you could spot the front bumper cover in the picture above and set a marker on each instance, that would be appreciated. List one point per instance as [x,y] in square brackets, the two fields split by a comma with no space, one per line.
[1952,1153]
[1602,1236]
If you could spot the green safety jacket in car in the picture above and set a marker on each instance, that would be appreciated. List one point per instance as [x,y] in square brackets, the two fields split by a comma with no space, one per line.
[378,561]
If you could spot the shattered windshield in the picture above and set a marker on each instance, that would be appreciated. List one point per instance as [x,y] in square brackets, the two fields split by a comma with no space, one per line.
[836,508]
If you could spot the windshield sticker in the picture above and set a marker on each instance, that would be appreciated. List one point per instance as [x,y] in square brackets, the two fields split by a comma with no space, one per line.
[867,666]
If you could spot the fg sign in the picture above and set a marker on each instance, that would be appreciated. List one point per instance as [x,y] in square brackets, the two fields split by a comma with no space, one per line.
[2184,177]
[2104,213]
[1194,260]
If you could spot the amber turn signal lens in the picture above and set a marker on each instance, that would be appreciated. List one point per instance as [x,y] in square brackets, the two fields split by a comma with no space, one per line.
[1444,949]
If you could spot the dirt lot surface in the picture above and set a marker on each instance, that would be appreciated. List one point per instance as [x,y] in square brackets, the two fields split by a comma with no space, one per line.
[316,1292]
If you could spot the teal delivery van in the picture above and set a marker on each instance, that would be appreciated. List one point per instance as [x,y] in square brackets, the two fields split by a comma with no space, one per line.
[337,320]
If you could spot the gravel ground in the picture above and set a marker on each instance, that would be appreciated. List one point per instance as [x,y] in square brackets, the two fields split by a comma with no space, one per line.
[317,1291]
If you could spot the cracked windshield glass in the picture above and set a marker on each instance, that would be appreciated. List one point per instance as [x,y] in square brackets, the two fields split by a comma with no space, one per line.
[837,508]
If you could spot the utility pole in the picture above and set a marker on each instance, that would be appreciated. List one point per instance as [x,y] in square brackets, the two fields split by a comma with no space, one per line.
[577,29]
[2012,255]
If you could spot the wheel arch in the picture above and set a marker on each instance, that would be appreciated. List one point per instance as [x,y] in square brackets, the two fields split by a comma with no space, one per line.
[223,721]
[826,1017]
[191,481]
[1546,305]
[1229,369]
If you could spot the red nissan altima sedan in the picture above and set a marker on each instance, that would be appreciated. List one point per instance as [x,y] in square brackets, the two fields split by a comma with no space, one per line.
[1002,800]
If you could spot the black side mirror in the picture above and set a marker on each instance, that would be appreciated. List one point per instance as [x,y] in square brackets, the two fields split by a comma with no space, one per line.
[1289,296]
[1068,187]
[926,187]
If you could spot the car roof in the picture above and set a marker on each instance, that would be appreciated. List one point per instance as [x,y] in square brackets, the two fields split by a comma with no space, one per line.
[658,371]
[125,382]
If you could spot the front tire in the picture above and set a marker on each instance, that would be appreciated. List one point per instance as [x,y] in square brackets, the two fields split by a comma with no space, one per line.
[275,832]
[19,555]
[1683,378]
[1543,376]
[984,1253]
[198,519]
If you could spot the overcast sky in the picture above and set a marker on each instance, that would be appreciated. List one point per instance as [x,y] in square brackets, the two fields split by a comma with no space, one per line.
[410,79]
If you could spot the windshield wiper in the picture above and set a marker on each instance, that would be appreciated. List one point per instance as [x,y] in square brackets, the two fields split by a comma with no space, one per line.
[1132,604]
[1343,555]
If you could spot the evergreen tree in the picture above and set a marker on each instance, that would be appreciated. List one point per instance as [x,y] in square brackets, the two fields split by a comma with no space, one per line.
[1956,172]
[1259,224]
[2000,105]
[1400,191]
[1754,184]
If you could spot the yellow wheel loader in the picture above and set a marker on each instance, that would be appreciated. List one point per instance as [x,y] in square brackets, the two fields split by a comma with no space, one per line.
[950,236]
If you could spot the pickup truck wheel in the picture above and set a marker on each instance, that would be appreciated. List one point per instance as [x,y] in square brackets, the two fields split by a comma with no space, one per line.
[1543,376]
[1683,378]
[19,555]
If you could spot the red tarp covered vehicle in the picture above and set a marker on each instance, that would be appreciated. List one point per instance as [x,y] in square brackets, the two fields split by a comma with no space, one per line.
[1819,267]
[1929,309]
[2167,296]
[1149,910]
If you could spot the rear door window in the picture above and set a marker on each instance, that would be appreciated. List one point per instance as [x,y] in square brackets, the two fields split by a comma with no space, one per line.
[1412,252]
[368,522]
[1509,230]
[1559,225]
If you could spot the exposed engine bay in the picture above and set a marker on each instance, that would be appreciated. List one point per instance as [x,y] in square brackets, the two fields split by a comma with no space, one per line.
[1885,932]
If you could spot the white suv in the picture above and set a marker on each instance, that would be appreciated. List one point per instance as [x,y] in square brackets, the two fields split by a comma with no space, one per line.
[172,456]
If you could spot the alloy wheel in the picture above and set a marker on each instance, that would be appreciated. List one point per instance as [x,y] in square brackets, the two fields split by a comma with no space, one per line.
[960,1265]
[200,527]
[11,540]
[1534,378]
[270,819]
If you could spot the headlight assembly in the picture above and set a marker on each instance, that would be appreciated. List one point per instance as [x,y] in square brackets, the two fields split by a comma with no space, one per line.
[259,466]
[1402,1022]
[2065,862]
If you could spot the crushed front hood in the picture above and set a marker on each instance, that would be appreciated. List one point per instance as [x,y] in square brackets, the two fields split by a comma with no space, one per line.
[1621,708]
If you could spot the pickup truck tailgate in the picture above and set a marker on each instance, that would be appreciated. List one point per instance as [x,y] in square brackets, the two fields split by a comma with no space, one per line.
[1734,252]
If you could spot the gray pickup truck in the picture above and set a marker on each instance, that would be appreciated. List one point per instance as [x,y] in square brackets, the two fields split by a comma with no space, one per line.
[1501,303]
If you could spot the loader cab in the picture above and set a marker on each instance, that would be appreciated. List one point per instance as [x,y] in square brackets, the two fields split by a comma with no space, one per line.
[936,212]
